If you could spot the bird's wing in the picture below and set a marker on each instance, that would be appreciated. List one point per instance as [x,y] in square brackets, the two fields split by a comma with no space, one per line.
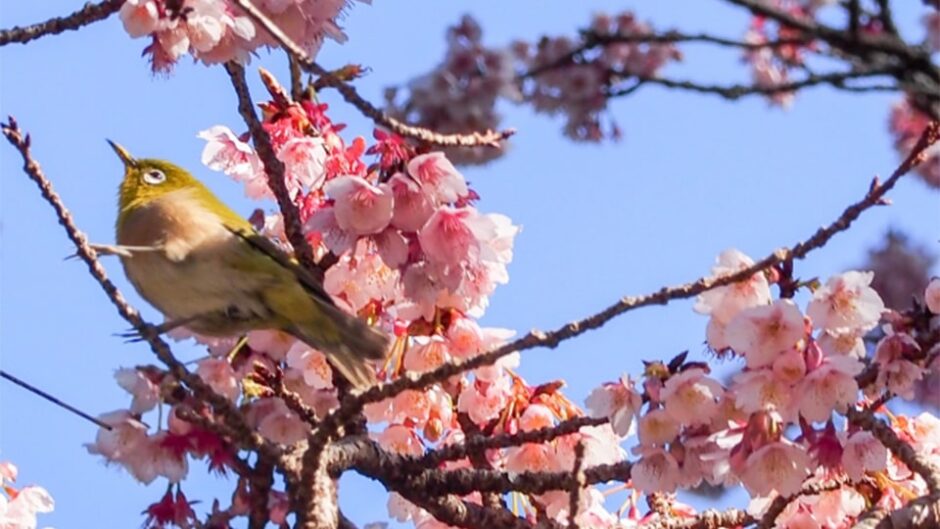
[274,252]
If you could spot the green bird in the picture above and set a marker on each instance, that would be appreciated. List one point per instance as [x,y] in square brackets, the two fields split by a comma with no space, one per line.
[204,266]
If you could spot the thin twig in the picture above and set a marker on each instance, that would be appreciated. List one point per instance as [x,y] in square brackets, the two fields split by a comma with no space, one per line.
[737,91]
[86,15]
[351,96]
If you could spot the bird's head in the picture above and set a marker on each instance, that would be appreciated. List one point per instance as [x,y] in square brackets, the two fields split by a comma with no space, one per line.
[147,179]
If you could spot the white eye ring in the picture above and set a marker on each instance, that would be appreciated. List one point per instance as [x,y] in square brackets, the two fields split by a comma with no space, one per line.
[154,177]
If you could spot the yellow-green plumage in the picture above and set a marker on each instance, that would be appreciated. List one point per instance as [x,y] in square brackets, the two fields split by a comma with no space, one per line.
[210,269]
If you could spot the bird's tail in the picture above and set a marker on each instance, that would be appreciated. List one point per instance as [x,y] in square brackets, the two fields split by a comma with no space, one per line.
[348,347]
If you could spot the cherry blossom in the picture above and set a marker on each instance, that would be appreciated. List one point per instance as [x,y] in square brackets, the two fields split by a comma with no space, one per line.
[656,471]
[846,303]
[360,208]
[618,401]
[146,393]
[724,303]
[776,467]
[829,386]
[863,453]
[691,398]
[932,295]
[762,333]
[220,376]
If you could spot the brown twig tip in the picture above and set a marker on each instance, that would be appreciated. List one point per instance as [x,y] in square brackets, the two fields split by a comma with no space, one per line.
[88,14]
[351,96]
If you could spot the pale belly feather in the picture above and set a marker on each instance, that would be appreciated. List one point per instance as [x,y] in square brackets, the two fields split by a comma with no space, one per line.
[192,275]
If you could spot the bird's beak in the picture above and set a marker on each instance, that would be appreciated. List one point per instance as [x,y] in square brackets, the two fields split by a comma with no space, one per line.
[122,153]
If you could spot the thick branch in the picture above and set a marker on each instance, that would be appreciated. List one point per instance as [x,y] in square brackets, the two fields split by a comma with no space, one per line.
[88,14]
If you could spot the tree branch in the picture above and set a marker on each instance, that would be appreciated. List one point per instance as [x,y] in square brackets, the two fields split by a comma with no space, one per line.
[88,14]
[274,169]
[351,96]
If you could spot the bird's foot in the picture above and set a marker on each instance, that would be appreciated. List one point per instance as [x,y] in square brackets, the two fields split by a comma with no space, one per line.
[120,250]
[147,330]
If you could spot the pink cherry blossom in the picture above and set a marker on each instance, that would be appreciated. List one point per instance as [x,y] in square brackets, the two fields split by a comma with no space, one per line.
[146,394]
[303,158]
[932,293]
[360,208]
[618,401]
[761,389]
[361,278]
[657,427]
[316,371]
[846,303]
[656,471]
[896,371]
[218,373]
[125,437]
[726,302]
[449,237]
[537,457]
[19,512]
[464,338]
[790,367]
[401,440]
[226,152]
[847,343]
[691,398]
[862,453]
[764,332]
[484,401]
[426,354]
[273,343]
[139,17]
[412,206]
[829,387]
[337,239]
[277,423]
[438,178]
[776,467]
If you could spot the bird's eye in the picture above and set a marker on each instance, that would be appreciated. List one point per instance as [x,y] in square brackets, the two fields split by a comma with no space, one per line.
[154,177]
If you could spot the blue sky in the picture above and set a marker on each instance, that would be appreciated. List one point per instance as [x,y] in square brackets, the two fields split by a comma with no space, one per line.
[693,175]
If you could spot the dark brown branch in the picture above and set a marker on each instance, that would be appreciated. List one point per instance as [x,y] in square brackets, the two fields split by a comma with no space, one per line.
[244,436]
[261,479]
[88,14]
[574,494]
[504,440]
[734,92]
[777,506]
[593,40]
[351,96]
[274,169]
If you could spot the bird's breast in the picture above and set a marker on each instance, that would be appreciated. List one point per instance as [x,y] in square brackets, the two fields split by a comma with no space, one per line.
[186,274]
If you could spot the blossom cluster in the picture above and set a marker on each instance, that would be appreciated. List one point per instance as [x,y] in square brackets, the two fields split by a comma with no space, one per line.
[19,507]
[800,367]
[573,77]
[216,31]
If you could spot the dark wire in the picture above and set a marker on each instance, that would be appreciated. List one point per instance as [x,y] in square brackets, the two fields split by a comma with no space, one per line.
[53,400]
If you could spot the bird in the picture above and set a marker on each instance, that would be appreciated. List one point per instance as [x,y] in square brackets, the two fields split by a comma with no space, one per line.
[205,267]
